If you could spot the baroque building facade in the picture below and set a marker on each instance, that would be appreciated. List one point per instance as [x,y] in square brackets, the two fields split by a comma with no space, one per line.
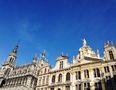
[88,71]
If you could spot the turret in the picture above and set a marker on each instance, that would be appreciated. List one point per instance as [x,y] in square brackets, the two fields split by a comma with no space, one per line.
[9,63]
[12,57]
[109,51]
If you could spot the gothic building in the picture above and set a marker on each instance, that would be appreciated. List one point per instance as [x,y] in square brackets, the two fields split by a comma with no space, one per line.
[88,71]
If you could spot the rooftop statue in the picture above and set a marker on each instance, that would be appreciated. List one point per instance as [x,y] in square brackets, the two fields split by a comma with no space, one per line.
[84,42]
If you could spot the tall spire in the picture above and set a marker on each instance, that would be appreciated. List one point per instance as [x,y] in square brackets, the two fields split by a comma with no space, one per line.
[12,56]
[14,51]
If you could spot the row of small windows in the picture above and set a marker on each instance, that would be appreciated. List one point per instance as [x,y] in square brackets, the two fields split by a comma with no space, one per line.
[15,82]
[60,78]
[19,82]
[98,86]
[87,86]
[86,73]
[96,73]
[44,71]
[43,80]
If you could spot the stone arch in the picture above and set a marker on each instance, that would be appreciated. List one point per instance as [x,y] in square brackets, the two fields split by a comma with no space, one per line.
[59,89]
[2,83]
[68,76]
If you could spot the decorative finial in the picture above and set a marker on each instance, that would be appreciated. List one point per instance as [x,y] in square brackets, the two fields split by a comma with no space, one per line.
[15,49]
[84,42]
[108,42]
[62,54]
[67,54]
[47,60]
[73,57]
[43,55]
[35,58]
[112,43]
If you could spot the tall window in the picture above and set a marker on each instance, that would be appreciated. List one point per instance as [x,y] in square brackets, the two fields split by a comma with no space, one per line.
[86,86]
[7,72]
[68,77]
[78,87]
[106,69]
[60,78]
[96,72]
[53,79]
[111,55]
[86,73]
[78,75]
[98,86]
[113,67]
[61,65]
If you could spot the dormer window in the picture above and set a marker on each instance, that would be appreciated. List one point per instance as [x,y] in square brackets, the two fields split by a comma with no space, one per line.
[111,55]
[61,65]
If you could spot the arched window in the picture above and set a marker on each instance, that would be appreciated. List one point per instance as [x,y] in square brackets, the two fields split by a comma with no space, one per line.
[68,77]
[59,89]
[60,78]
[53,79]
[111,55]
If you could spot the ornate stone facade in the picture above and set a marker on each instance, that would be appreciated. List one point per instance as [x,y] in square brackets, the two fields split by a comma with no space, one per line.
[88,71]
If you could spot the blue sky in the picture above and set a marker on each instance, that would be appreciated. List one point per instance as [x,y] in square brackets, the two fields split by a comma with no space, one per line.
[55,26]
